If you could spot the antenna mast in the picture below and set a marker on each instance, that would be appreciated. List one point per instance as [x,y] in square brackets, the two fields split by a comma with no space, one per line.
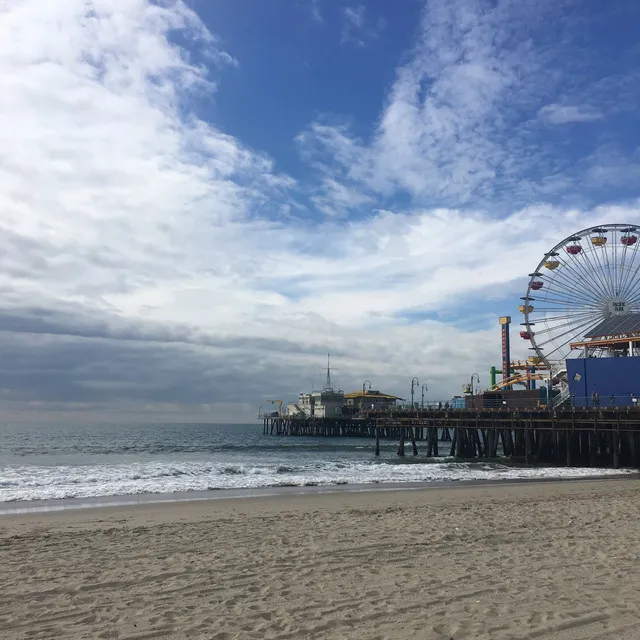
[327,384]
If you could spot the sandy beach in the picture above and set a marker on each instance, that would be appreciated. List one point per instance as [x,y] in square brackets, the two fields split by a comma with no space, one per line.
[551,560]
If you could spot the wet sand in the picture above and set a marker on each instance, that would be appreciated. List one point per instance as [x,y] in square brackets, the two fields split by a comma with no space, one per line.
[548,560]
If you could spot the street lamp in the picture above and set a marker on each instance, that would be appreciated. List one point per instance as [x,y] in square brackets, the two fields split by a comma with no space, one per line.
[364,384]
[476,377]
[414,382]
[424,388]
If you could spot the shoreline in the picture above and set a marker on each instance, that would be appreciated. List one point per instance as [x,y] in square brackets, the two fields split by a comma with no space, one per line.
[63,505]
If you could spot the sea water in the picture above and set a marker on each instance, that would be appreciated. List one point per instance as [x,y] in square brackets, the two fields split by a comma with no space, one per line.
[44,462]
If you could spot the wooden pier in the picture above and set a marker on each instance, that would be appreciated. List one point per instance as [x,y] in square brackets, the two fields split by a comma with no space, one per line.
[580,436]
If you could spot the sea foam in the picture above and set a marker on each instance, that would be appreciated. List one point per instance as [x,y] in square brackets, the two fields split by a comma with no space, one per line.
[41,482]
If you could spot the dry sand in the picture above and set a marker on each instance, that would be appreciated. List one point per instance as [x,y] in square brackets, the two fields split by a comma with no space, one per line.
[557,561]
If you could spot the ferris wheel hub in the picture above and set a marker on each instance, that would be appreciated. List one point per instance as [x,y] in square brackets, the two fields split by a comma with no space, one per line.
[618,307]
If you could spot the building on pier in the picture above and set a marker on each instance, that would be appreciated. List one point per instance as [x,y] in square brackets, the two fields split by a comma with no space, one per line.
[609,363]
[364,400]
[327,403]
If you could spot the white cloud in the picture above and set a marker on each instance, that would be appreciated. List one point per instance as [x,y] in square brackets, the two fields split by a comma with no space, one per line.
[438,137]
[334,198]
[608,167]
[355,16]
[564,114]
[463,121]
[141,268]
[357,27]
[316,13]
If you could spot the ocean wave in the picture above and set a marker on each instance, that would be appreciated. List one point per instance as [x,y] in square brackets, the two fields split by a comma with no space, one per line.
[33,482]
[162,449]
[233,470]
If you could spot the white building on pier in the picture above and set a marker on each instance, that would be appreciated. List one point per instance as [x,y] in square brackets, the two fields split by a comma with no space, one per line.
[328,403]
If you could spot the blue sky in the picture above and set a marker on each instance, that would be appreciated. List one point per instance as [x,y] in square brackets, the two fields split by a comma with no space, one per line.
[300,61]
[228,190]
[561,116]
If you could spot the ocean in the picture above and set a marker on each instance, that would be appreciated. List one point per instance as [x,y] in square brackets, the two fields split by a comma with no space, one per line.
[48,462]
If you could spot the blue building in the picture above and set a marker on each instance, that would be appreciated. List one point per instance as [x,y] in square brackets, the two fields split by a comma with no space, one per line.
[609,365]
[617,377]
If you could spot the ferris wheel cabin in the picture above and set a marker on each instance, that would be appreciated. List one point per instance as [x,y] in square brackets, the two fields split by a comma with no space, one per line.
[609,363]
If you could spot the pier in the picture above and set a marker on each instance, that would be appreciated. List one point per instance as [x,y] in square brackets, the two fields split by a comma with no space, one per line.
[575,436]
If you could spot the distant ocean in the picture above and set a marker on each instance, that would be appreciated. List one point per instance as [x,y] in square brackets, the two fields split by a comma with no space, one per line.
[54,462]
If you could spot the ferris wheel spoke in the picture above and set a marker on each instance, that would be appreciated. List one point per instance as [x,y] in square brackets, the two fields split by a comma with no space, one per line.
[590,276]
[634,300]
[564,317]
[557,326]
[561,346]
[604,271]
[580,272]
[573,294]
[631,292]
[571,331]
[602,258]
[567,272]
[609,256]
[631,282]
[606,274]
[608,261]
[631,279]
[631,287]
[594,272]
[567,307]
[565,283]
[620,273]
[572,285]
[614,250]
[614,255]
[562,302]
[581,276]
[609,248]
[558,329]
[552,333]
[564,325]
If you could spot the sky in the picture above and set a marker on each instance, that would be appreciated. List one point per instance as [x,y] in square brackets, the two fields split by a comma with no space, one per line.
[200,199]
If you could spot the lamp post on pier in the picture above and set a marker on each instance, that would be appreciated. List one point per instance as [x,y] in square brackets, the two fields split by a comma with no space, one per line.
[414,383]
[424,388]
[364,384]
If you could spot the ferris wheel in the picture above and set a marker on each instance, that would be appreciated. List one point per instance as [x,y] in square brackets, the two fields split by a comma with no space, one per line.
[583,281]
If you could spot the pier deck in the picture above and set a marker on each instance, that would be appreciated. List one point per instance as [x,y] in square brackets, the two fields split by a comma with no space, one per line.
[585,436]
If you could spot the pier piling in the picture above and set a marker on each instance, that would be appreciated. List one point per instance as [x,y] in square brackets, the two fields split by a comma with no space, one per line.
[412,431]
[401,443]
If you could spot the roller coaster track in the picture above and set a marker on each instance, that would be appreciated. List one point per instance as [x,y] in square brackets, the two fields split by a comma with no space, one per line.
[518,378]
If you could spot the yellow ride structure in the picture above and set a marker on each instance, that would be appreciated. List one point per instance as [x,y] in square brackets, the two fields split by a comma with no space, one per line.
[533,368]
[279,403]
[517,378]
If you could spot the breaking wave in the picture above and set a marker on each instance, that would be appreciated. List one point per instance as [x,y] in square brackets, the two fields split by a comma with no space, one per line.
[41,482]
